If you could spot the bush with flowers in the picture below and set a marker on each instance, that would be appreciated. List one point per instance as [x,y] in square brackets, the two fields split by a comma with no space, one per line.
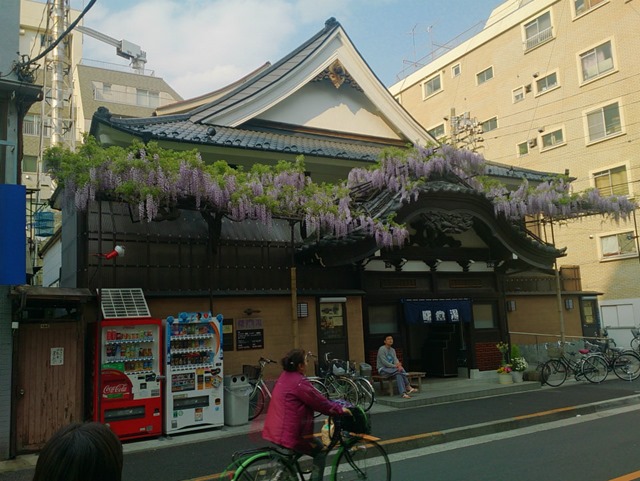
[519,364]
[505,369]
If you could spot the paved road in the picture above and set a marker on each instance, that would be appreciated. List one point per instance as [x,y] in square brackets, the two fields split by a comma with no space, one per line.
[400,429]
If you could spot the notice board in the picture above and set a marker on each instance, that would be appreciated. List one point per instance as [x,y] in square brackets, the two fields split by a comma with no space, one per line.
[249,334]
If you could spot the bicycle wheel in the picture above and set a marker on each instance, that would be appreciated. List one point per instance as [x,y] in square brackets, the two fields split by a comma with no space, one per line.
[361,459]
[595,369]
[256,402]
[554,372]
[366,393]
[265,466]
[627,366]
[343,388]
[319,385]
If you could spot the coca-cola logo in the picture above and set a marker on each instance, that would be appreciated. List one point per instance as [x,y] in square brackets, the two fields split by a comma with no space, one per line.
[115,389]
[116,385]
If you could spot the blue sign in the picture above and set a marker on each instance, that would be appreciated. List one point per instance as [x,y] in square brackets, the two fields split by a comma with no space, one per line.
[436,311]
[13,234]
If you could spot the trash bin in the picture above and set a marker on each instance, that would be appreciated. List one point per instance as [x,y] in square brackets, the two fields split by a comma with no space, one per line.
[237,392]
[365,370]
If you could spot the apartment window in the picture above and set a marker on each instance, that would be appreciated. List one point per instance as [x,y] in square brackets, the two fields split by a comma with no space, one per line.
[583,6]
[518,94]
[29,163]
[604,122]
[32,125]
[618,245]
[597,61]
[612,181]
[489,125]
[538,31]
[485,75]
[456,70]
[523,149]
[552,139]
[437,132]
[547,83]
[432,86]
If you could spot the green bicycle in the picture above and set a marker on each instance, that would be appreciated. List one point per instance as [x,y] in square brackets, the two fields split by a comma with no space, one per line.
[358,457]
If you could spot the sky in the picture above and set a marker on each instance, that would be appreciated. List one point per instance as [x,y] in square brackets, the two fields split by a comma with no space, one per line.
[198,46]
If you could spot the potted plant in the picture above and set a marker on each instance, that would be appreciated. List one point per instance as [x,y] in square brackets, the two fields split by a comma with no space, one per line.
[518,365]
[504,374]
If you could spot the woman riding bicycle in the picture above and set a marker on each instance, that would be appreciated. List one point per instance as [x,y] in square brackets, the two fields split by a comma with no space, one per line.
[289,421]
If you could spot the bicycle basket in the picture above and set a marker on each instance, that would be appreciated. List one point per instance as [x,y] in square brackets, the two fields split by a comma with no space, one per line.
[339,368]
[359,422]
[635,332]
[555,352]
[252,372]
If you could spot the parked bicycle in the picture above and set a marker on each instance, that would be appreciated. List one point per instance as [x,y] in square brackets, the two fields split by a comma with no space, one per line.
[334,386]
[556,370]
[345,369]
[358,457]
[624,363]
[635,342]
[260,392]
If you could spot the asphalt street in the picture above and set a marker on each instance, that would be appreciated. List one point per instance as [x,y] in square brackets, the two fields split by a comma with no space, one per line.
[399,429]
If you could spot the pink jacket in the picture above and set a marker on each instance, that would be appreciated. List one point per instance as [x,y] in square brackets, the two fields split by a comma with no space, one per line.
[290,417]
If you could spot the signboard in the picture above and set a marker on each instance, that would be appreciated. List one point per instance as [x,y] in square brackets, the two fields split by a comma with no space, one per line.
[249,334]
[436,311]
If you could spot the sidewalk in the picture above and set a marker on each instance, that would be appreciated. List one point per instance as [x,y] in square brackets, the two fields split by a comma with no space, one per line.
[445,410]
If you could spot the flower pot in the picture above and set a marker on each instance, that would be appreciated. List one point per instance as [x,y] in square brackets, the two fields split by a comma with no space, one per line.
[505,378]
[516,376]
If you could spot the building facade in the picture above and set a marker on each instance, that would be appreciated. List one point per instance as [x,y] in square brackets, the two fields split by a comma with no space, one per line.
[550,85]
[84,85]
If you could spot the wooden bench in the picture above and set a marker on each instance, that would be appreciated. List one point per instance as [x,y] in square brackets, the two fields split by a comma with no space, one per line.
[415,377]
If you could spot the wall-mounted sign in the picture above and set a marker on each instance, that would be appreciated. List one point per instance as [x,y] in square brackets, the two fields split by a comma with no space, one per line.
[249,334]
[57,356]
[227,335]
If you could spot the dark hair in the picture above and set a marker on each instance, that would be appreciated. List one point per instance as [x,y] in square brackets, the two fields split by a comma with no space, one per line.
[293,359]
[385,337]
[81,452]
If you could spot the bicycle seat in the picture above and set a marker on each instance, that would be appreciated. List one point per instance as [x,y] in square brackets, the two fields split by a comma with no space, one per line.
[584,351]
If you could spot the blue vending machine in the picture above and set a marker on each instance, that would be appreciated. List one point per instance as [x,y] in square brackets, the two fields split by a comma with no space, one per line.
[194,369]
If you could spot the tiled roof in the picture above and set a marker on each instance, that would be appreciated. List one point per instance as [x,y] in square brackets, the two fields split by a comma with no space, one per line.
[180,128]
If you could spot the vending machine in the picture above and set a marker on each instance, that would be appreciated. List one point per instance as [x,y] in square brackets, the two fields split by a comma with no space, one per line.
[194,390]
[128,393]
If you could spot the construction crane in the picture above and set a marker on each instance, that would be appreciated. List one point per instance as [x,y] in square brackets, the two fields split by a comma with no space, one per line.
[124,48]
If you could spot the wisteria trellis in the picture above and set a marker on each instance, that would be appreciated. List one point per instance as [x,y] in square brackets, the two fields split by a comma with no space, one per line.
[153,178]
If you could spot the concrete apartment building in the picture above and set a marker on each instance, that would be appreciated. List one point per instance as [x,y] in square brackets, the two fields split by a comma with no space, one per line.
[553,85]
[86,85]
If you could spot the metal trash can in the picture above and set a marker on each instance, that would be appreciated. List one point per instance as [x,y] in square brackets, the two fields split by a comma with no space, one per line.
[365,370]
[237,392]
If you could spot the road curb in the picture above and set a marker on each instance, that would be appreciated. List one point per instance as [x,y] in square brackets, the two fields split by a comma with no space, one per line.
[417,441]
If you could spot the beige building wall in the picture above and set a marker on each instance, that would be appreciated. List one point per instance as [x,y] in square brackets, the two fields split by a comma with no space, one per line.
[546,71]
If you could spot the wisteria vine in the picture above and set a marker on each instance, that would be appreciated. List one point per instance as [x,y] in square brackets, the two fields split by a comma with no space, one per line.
[154,178]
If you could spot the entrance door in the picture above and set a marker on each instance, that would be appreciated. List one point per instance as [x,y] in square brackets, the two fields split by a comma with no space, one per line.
[48,390]
[332,330]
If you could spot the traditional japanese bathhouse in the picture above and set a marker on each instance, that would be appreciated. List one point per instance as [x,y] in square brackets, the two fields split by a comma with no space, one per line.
[442,296]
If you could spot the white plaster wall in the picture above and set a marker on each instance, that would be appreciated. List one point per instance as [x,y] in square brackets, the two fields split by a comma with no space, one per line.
[320,105]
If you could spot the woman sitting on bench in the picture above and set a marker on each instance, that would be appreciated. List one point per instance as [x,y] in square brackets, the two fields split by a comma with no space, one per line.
[388,365]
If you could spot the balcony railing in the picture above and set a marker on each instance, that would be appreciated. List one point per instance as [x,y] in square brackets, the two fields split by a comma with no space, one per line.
[541,37]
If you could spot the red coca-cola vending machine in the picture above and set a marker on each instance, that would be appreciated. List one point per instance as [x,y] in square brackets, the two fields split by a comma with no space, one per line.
[128,392]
